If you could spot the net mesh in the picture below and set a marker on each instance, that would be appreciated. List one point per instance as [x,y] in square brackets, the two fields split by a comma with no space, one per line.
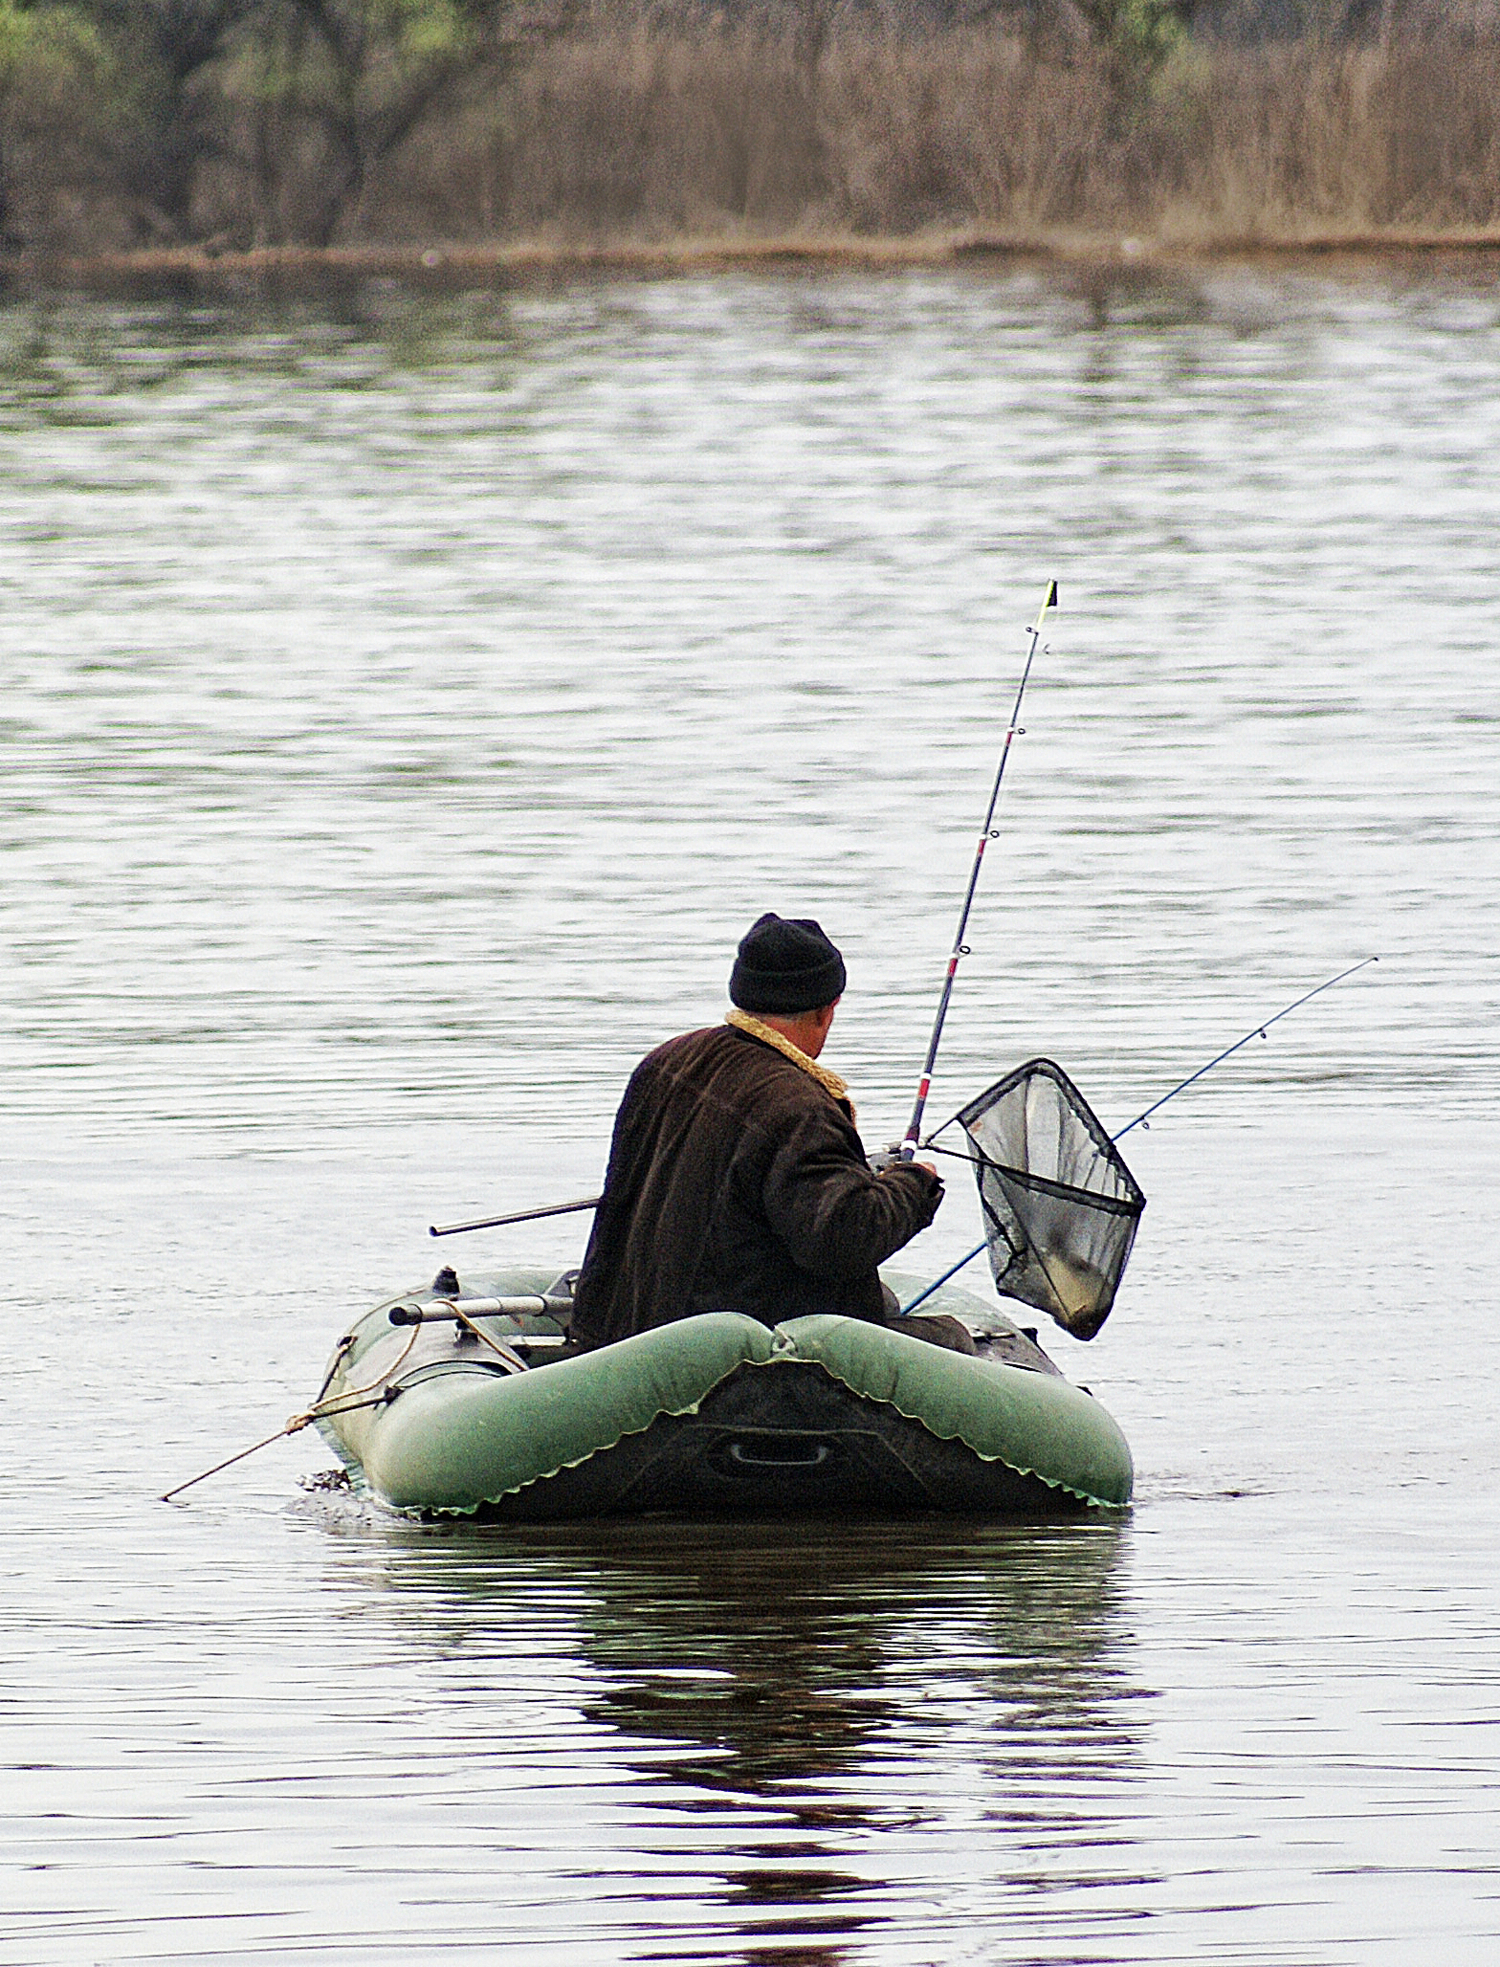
[1060,1206]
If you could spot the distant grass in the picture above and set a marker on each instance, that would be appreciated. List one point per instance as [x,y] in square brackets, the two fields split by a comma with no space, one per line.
[660,138]
[648,135]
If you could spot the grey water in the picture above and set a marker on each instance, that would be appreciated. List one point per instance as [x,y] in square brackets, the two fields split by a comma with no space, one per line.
[408,700]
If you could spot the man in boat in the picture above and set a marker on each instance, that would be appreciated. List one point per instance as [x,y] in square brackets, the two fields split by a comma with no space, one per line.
[737,1180]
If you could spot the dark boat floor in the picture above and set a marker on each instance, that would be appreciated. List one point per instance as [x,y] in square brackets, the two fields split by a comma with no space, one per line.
[779,1441]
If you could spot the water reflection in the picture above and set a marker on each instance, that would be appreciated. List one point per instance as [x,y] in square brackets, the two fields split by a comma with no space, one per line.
[789,1690]
[65,361]
[1143,297]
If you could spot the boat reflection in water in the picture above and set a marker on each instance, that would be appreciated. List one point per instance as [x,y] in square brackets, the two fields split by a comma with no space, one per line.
[801,1730]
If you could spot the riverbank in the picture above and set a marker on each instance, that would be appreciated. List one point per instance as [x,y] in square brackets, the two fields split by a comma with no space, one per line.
[449,264]
[669,142]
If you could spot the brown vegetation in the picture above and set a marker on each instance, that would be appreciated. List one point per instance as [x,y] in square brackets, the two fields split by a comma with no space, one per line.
[655,129]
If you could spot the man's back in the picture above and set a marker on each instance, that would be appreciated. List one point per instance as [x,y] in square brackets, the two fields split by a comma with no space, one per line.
[738,1182]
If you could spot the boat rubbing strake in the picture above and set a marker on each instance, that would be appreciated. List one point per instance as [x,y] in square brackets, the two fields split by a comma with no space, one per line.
[487,1413]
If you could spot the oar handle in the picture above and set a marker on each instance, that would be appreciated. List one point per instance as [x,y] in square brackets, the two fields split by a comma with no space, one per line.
[433,1311]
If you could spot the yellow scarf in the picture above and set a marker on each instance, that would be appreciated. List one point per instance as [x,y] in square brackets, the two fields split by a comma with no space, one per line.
[768,1035]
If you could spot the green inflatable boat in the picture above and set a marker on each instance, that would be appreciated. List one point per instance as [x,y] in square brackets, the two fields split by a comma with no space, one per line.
[466,1400]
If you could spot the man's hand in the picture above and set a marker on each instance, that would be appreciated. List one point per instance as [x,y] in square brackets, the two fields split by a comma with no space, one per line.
[891,1157]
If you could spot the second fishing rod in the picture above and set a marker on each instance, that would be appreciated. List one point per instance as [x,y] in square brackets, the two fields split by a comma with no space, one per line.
[1141,1119]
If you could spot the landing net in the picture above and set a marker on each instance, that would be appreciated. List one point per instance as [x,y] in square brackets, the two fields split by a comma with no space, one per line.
[1060,1206]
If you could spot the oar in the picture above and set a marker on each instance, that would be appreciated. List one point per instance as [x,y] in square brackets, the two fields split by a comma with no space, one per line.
[1144,1119]
[293,1426]
[520,1216]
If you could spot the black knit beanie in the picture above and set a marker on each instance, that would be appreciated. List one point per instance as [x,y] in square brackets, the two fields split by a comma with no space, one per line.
[785,968]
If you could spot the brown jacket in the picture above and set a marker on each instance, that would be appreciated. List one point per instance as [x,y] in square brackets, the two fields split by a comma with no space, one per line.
[737,1183]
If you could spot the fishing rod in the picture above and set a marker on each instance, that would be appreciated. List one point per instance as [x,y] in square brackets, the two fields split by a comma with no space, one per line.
[986,834]
[1255,1031]
[1144,1119]
[960,949]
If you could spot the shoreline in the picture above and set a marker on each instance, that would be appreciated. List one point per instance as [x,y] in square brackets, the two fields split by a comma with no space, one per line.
[442,263]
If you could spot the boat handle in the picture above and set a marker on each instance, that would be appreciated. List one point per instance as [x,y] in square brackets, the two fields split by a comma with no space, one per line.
[738,1453]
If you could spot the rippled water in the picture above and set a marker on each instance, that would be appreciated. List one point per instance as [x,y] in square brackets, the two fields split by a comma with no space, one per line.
[408,702]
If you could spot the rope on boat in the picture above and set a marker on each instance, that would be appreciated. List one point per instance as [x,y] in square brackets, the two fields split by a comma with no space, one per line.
[512,1361]
[354,1398]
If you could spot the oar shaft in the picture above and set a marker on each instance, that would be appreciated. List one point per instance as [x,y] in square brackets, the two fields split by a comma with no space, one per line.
[520,1216]
[230,1460]
[435,1311]
[986,834]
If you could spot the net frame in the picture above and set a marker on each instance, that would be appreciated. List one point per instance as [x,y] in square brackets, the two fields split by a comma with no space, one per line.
[1058,1244]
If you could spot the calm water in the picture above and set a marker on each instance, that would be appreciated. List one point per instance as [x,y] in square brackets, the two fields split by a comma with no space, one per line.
[408,701]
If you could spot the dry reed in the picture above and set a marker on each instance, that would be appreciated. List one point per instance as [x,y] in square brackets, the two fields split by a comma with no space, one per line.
[655,130]
[644,134]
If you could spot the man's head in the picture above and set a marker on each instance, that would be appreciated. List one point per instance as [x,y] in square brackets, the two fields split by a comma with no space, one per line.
[786,969]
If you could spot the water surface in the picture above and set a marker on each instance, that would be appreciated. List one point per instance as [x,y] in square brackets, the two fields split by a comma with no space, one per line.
[409,701]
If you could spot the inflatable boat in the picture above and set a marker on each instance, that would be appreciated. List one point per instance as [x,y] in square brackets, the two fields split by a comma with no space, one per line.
[469,1400]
